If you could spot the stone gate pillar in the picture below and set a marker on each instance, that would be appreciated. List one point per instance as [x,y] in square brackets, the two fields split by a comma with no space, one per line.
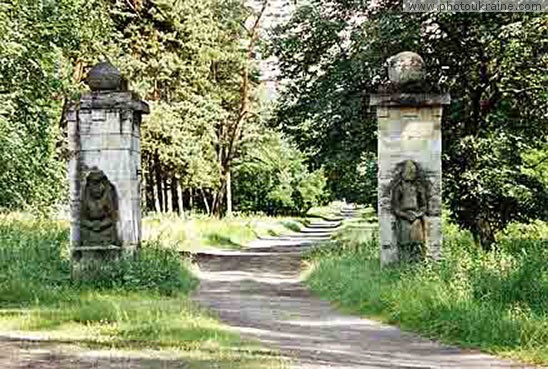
[105,168]
[409,157]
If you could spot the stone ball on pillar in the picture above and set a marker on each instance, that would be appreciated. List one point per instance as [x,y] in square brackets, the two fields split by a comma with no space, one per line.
[104,77]
[406,68]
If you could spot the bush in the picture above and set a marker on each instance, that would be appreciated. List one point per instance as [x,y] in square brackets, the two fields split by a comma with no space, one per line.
[497,301]
[536,230]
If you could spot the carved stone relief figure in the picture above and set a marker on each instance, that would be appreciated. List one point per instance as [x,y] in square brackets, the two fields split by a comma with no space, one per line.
[99,211]
[409,201]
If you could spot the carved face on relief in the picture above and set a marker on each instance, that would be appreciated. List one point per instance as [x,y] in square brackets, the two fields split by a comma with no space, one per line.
[96,184]
[410,171]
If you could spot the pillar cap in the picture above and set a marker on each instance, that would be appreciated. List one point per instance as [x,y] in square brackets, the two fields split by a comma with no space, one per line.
[113,100]
[104,77]
[409,99]
[405,67]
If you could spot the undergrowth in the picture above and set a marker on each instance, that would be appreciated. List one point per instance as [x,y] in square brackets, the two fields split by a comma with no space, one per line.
[496,301]
[133,304]
[200,231]
[35,266]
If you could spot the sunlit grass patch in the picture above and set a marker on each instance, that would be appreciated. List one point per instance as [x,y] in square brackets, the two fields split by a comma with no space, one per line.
[200,232]
[138,321]
[122,319]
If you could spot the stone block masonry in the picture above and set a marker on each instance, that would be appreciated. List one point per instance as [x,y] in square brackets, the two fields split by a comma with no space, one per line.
[105,169]
[409,159]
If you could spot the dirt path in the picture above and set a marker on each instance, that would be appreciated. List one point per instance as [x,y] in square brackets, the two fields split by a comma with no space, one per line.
[258,292]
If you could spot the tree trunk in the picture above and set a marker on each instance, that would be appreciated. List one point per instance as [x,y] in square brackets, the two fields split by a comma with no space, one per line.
[206,204]
[230,135]
[180,198]
[228,194]
[218,200]
[149,186]
[174,195]
[158,177]
[484,234]
[167,202]
[157,204]
[191,198]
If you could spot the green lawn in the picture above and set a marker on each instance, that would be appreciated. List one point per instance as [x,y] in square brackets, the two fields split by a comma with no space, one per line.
[496,301]
[133,306]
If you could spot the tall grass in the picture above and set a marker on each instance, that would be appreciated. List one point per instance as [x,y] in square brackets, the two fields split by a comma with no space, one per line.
[132,304]
[495,301]
[35,266]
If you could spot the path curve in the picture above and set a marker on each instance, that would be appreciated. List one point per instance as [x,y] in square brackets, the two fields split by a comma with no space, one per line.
[258,292]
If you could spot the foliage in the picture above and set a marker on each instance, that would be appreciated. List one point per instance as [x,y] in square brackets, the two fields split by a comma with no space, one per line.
[39,43]
[332,56]
[499,113]
[181,136]
[496,301]
[189,58]
[536,163]
[272,177]
[537,230]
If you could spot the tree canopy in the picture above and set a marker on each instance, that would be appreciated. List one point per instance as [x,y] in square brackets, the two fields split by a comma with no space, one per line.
[493,64]
[194,61]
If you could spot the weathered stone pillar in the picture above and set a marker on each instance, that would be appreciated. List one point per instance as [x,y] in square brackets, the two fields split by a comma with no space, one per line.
[105,168]
[409,157]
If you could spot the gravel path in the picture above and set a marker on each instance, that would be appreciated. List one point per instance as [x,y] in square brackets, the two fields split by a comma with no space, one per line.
[258,292]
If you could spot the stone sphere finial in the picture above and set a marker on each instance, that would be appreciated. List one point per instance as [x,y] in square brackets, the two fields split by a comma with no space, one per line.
[104,77]
[405,67]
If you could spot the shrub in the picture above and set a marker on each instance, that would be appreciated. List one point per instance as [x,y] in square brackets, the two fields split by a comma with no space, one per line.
[273,178]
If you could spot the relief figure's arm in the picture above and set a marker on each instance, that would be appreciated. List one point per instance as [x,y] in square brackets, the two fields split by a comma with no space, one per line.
[422,202]
[85,220]
[396,206]
[105,223]
[86,223]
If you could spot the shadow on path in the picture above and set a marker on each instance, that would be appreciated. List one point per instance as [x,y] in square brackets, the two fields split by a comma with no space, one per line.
[258,292]
[44,355]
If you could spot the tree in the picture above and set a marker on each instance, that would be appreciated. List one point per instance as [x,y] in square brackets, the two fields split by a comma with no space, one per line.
[272,177]
[42,45]
[187,57]
[231,132]
[493,65]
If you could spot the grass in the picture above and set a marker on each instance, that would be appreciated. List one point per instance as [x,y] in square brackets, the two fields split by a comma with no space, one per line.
[329,211]
[200,232]
[135,305]
[496,301]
